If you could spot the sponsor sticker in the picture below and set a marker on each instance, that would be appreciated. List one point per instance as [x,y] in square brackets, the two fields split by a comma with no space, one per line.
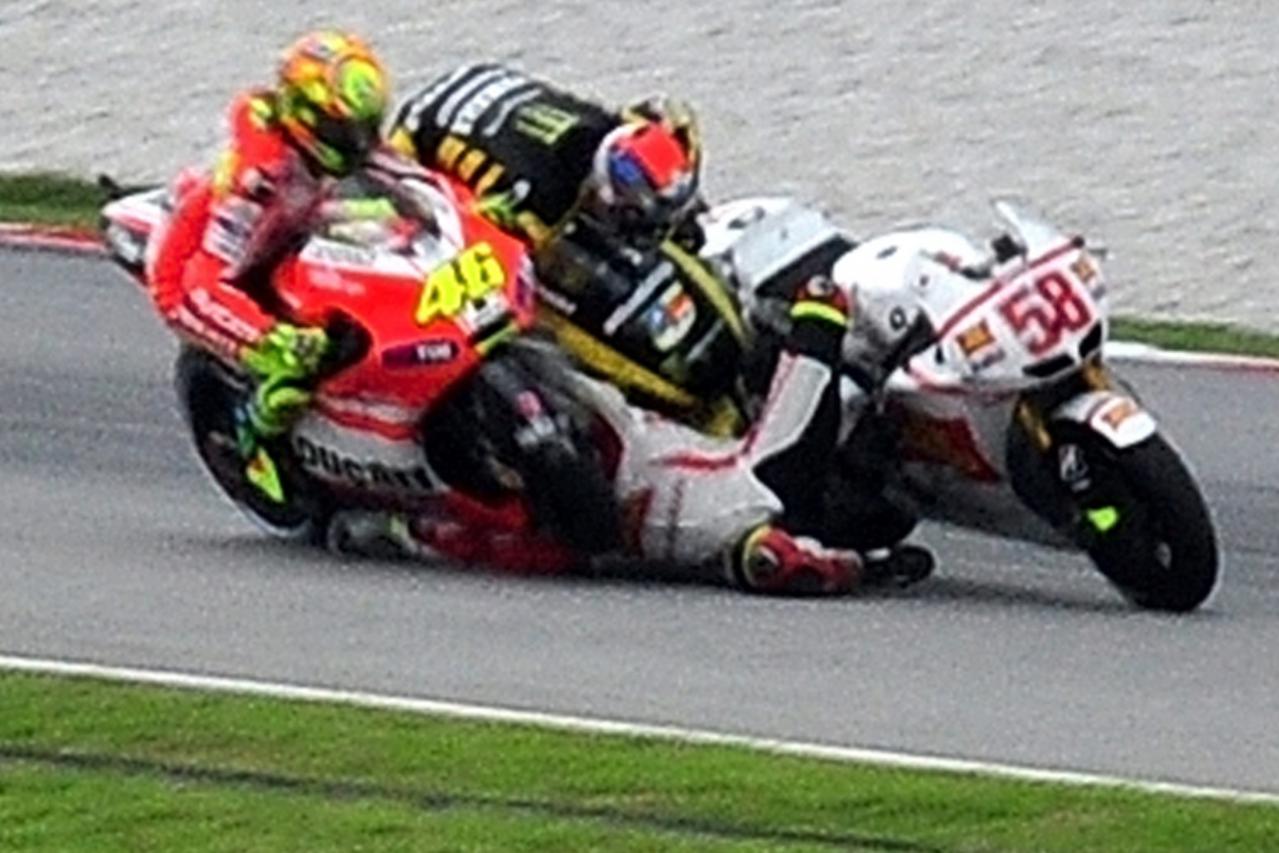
[369,473]
[1121,411]
[339,254]
[434,351]
[975,338]
[979,346]
[1084,269]
[671,318]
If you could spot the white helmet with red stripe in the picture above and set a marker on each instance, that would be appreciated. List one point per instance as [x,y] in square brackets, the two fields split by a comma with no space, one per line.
[643,176]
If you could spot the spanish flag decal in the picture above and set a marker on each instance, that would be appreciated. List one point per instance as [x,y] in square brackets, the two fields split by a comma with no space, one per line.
[975,338]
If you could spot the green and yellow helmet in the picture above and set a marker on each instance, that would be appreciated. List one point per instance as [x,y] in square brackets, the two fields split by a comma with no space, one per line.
[333,93]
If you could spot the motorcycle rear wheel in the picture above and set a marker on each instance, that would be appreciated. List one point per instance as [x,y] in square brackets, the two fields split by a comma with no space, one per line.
[515,411]
[573,498]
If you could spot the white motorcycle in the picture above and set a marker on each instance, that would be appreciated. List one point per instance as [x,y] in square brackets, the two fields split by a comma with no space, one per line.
[987,367]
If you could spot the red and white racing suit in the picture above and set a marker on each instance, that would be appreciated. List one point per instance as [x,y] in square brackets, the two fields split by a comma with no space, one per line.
[228,228]
[689,497]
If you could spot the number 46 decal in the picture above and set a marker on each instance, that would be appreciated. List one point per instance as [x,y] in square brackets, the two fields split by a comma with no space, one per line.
[1041,312]
[469,277]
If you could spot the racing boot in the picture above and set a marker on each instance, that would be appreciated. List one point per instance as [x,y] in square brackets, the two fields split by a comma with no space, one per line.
[283,362]
[901,566]
[770,560]
[376,534]
[259,467]
[383,535]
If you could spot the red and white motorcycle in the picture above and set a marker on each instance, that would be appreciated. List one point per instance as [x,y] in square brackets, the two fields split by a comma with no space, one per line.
[1007,417]
[432,405]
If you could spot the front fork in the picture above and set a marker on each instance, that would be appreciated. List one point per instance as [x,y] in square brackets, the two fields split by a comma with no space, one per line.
[1030,410]
[1059,449]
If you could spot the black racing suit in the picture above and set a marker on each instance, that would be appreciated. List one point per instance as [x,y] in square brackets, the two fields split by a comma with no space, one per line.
[505,134]
[647,314]
[642,310]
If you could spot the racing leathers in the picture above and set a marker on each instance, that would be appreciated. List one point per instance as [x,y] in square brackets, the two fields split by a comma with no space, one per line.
[209,263]
[636,306]
[697,497]
[688,499]
[525,147]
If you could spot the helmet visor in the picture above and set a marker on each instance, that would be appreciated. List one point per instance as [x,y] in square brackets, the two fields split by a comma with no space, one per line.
[646,197]
[346,142]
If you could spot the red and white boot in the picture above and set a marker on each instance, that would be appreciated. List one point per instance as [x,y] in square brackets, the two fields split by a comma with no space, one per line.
[770,560]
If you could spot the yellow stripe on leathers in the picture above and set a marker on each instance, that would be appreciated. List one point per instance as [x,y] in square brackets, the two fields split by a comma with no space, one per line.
[490,177]
[709,286]
[608,361]
[819,311]
[402,141]
[470,164]
[723,419]
[533,228]
[450,149]
[720,417]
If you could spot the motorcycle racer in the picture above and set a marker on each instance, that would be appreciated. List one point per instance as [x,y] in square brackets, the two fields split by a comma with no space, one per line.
[209,265]
[606,200]
[755,493]
[746,504]
[538,155]
[633,305]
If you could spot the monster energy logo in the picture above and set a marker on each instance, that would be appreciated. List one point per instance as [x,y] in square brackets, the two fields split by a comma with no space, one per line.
[544,123]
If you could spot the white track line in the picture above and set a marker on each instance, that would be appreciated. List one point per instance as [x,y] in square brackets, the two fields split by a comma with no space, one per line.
[1147,354]
[15,236]
[885,758]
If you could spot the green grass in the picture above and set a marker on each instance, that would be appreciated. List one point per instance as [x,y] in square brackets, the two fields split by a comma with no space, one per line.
[89,765]
[49,198]
[57,199]
[1206,337]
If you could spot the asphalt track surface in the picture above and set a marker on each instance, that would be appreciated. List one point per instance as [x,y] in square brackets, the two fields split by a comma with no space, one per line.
[117,550]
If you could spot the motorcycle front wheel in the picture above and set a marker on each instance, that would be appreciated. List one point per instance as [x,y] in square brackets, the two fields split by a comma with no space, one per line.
[208,393]
[1147,527]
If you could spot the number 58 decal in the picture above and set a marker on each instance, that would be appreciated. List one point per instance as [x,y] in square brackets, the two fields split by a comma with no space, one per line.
[1040,312]
[469,277]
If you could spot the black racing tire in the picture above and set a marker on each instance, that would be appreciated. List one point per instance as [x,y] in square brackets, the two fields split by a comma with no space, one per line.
[1162,554]
[571,497]
[519,411]
[208,393]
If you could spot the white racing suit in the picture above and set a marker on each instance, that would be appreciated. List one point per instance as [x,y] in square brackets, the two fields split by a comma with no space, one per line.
[689,497]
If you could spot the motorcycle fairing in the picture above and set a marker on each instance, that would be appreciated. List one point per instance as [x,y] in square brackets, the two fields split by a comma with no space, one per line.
[1000,336]
[127,225]
[755,240]
[946,441]
[1116,417]
[359,460]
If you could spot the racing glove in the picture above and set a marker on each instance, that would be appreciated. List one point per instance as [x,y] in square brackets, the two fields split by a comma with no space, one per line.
[503,207]
[819,319]
[283,363]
